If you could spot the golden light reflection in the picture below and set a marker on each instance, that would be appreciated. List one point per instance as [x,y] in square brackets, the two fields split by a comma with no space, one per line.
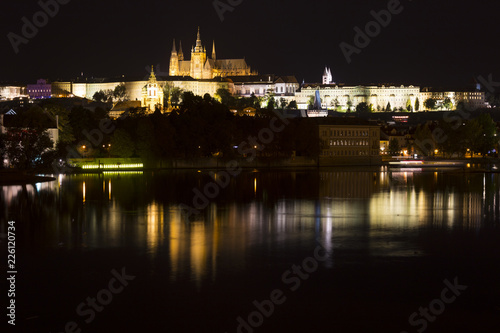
[174,242]
[154,226]
[83,191]
[109,189]
[198,251]
[255,185]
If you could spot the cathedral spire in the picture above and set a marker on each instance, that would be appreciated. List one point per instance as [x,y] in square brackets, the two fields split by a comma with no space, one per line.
[173,48]
[213,52]
[198,47]
[152,78]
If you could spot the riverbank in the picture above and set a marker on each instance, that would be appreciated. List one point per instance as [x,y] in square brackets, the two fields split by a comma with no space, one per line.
[213,163]
[18,177]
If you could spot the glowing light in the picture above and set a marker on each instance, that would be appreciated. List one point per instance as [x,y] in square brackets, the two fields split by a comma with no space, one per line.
[122,172]
[83,191]
[109,186]
[112,166]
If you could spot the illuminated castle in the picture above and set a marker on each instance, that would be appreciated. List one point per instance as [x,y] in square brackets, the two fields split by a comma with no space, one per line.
[201,67]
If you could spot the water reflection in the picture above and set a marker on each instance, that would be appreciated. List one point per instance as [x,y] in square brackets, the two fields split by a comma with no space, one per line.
[376,212]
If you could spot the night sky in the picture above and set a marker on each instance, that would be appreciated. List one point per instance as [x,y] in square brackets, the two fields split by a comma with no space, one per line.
[438,43]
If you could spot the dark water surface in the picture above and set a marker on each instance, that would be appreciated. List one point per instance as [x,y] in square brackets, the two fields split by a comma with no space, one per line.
[337,250]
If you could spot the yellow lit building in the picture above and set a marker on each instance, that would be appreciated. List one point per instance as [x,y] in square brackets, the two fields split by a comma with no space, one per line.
[152,94]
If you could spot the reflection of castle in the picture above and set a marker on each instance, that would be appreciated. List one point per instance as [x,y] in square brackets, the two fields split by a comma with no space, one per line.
[201,67]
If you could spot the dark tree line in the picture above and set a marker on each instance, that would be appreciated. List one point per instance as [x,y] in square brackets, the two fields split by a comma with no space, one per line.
[204,127]
[455,136]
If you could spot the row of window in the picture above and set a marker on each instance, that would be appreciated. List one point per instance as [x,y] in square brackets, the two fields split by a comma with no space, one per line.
[279,90]
[345,133]
[358,142]
[346,153]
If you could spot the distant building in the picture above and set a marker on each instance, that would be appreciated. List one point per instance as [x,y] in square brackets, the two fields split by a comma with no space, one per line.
[327,76]
[62,89]
[262,85]
[341,98]
[382,97]
[40,90]
[392,134]
[348,141]
[122,107]
[9,92]
[472,99]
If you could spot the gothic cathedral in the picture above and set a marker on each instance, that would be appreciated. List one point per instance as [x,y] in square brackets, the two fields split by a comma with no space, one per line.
[201,67]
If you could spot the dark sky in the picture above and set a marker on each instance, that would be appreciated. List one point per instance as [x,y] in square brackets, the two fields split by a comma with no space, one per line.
[439,43]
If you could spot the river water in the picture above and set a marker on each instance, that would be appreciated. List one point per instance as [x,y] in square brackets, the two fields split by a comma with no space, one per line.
[334,250]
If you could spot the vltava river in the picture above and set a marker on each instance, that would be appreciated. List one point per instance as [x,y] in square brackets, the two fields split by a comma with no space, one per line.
[334,250]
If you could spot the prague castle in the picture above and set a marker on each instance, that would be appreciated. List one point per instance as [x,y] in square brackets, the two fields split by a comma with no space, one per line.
[201,67]
[203,74]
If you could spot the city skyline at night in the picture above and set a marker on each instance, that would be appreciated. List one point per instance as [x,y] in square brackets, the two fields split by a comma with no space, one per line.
[422,43]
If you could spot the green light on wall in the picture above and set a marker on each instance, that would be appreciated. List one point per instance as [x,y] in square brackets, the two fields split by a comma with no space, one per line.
[112,166]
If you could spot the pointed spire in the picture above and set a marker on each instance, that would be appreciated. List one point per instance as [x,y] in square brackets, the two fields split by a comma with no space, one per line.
[181,54]
[213,52]
[198,47]
[152,78]
[173,48]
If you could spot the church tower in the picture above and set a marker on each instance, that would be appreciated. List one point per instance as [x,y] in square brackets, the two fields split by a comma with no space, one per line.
[214,57]
[327,76]
[198,58]
[152,94]
[174,62]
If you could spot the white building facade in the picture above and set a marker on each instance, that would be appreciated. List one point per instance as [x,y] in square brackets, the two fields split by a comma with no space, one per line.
[380,98]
